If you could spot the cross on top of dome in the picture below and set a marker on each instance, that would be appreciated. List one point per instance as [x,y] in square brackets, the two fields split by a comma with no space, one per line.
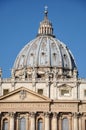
[46,11]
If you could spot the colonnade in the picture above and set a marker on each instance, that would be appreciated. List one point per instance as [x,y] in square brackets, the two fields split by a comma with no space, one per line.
[51,120]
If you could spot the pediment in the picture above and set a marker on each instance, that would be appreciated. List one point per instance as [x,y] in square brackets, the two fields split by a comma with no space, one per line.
[65,86]
[23,95]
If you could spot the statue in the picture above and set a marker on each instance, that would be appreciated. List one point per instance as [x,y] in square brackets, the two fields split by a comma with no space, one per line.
[13,73]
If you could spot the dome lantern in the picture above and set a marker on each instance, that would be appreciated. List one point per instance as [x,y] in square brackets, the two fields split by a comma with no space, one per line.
[45,26]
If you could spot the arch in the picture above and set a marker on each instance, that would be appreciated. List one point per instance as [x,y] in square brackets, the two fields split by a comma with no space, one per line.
[40,124]
[65,124]
[22,124]
[5,124]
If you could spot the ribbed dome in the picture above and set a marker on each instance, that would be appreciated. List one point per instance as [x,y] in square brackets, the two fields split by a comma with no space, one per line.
[45,51]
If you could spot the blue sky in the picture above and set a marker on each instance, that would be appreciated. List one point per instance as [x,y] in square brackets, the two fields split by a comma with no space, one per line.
[19,23]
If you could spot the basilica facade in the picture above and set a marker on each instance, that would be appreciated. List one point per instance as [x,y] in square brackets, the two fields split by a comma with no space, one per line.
[44,91]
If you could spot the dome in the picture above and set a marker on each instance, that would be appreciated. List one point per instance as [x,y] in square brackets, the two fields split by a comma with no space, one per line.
[45,51]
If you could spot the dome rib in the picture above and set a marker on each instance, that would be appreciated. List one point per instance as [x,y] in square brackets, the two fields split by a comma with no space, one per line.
[38,51]
[30,53]
[59,52]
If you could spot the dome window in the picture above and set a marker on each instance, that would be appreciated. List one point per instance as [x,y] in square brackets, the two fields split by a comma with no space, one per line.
[23,56]
[43,53]
[64,55]
[54,54]
[31,54]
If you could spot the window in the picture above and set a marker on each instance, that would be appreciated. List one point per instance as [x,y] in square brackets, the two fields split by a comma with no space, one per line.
[85,93]
[38,76]
[65,92]
[22,124]
[40,124]
[5,91]
[40,91]
[65,124]
[5,124]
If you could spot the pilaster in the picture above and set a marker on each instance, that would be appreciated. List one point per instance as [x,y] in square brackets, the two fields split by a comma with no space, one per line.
[32,118]
[75,121]
[47,121]
[80,121]
[54,121]
[70,121]
[11,120]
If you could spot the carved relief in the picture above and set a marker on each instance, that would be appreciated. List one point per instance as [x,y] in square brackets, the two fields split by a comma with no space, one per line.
[22,94]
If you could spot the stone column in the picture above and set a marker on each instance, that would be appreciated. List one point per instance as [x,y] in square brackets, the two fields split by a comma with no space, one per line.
[75,121]
[70,122]
[80,121]
[60,123]
[11,121]
[32,118]
[0,119]
[83,122]
[54,121]
[17,125]
[27,118]
[47,122]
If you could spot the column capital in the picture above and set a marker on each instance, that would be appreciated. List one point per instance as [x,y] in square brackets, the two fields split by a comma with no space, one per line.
[32,114]
[76,114]
[47,114]
[27,116]
[11,114]
[60,116]
[55,114]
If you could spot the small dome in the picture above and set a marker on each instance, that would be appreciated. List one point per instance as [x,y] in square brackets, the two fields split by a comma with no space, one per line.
[45,51]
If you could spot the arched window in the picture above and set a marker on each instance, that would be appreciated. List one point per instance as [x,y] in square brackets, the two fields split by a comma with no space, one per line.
[22,124]
[65,124]
[5,124]
[40,124]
